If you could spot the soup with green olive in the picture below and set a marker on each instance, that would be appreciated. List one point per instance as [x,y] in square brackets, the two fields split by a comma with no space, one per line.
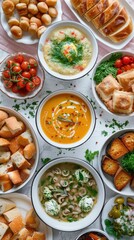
[68,192]
[65,118]
[67,51]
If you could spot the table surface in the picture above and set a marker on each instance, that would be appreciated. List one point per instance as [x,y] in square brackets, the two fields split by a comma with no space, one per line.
[105,126]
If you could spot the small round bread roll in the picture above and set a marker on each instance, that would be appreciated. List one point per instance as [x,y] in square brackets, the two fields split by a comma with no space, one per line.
[24,1]
[52,12]
[21,6]
[43,8]
[46,19]
[51,3]
[16,31]
[24,23]
[33,28]
[13,22]
[36,20]
[15,1]
[40,30]
[32,8]
[8,7]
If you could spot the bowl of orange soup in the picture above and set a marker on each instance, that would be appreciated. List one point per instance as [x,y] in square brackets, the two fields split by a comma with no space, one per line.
[65,119]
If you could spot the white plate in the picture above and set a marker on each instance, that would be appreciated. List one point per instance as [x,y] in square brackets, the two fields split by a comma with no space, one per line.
[108,206]
[97,34]
[27,38]
[24,204]
[108,180]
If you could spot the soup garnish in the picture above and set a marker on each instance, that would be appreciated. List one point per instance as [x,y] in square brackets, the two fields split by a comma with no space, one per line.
[65,118]
[68,192]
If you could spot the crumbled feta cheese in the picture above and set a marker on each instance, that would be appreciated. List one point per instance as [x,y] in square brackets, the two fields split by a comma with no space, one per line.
[47,193]
[81,175]
[86,204]
[52,207]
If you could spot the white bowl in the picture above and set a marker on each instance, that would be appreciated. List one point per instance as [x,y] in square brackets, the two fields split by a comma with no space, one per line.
[108,180]
[83,29]
[68,226]
[98,99]
[93,230]
[35,140]
[71,145]
[40,73]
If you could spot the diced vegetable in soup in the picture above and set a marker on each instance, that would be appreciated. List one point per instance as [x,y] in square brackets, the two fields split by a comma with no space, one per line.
[65,118]
[67,51]
[68,192]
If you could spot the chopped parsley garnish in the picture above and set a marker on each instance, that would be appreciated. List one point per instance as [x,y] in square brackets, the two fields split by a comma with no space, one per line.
[45,160]
[92,191]
[119,125]
[90,155]
[128,162]
[107,67]
[104,133]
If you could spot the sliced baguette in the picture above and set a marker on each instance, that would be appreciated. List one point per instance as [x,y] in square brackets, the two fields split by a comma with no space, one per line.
[19,160]
[3,229]
[109,165]
[6,185]
[25,138]
[4,142]
[5,132]
[8,235]
[117,149]
[31,219]
[13,124]
[4,156]
[17,224]
[121,179]
[12,214]
[29,151]
[6,205]
[14,145]
[15,177]
[128,140]
[39,236]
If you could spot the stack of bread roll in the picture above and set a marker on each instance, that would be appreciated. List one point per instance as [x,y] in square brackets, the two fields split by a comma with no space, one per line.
[34,16]
[108,16]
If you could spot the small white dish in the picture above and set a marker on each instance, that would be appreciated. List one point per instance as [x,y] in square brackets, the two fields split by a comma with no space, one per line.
[35,141]
[69,145]
[108,180]
[24,204]
[40,74]
[27,38]
[98,99]
[81,28]
[104,215]
[97,34]
[93,230]
[61,225]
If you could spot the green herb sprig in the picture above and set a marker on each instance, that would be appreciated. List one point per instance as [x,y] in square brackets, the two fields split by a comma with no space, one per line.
[90,155]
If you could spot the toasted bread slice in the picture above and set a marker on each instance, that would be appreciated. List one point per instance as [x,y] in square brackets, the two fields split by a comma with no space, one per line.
[109,165]
[121,179]
[6,205]
[128,140]
[17,224]
[32,220]
[117,149]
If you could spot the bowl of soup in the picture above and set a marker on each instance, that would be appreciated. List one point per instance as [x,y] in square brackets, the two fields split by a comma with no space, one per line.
[65,119]
[93,234]
[68,194]
[67,50]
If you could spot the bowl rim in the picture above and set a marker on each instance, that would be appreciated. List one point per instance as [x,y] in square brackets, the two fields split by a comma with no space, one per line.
[97,98]
[72,160]
[93,230]
[36,162]
[58,75]
[8,94]
[81,96]
[108,140]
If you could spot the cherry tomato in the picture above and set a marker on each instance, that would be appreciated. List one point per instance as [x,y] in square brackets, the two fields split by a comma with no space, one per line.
[36,80]
[21,83]
[15,88]
[33,72]
[33,63]
[19,58]
[6,74]
[30,86]
[118,63]
[127,67]
[126,60]
[123,69]
[26,74]
[10,63]
[23,92]
[25,66]
[8,84]
[16,69]
[132,65]
[131,59]
[119,71]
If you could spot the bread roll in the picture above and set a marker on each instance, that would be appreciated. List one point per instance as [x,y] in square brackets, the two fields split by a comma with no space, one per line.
[16,32]
[51,3]
[97,9]
[24,1]
[52,12]
[8,7]
[36,20]
[32,8]
[13,22]
[40,30]
[33,28]
[22,9]
[42,6]
[24,23]
[46,19]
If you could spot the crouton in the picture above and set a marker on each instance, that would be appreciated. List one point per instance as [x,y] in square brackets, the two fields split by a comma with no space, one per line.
[3,169]
[38,236]
[14,145]
[4,177]
[3,115]
[17,224]
[31,219]
[19,160]
[23,234]
[3,229]
[10,166]
[25,138]
[6,185]
[121,179]
[24,174]
[4,156]
[7,235]
[13,124]
[6,205]
[5,132]
[4,142]
[29,151]
[117,149]
[109,166]
[12,214]
[15,177]
[128,140]
[3,220]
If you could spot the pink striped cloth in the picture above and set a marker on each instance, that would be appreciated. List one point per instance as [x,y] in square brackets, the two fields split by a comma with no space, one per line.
[10,46]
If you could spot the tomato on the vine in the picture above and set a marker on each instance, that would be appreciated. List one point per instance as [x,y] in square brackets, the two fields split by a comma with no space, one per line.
[30,86]
[36,80]
[10,63]
[33,72]
[33,63]
[15,88]
[23,92]
[6,74]
[25,66]
[126,60]
[16,69]
[118,63]
[119,71]
[19,58]
[8,84]
[21,83]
